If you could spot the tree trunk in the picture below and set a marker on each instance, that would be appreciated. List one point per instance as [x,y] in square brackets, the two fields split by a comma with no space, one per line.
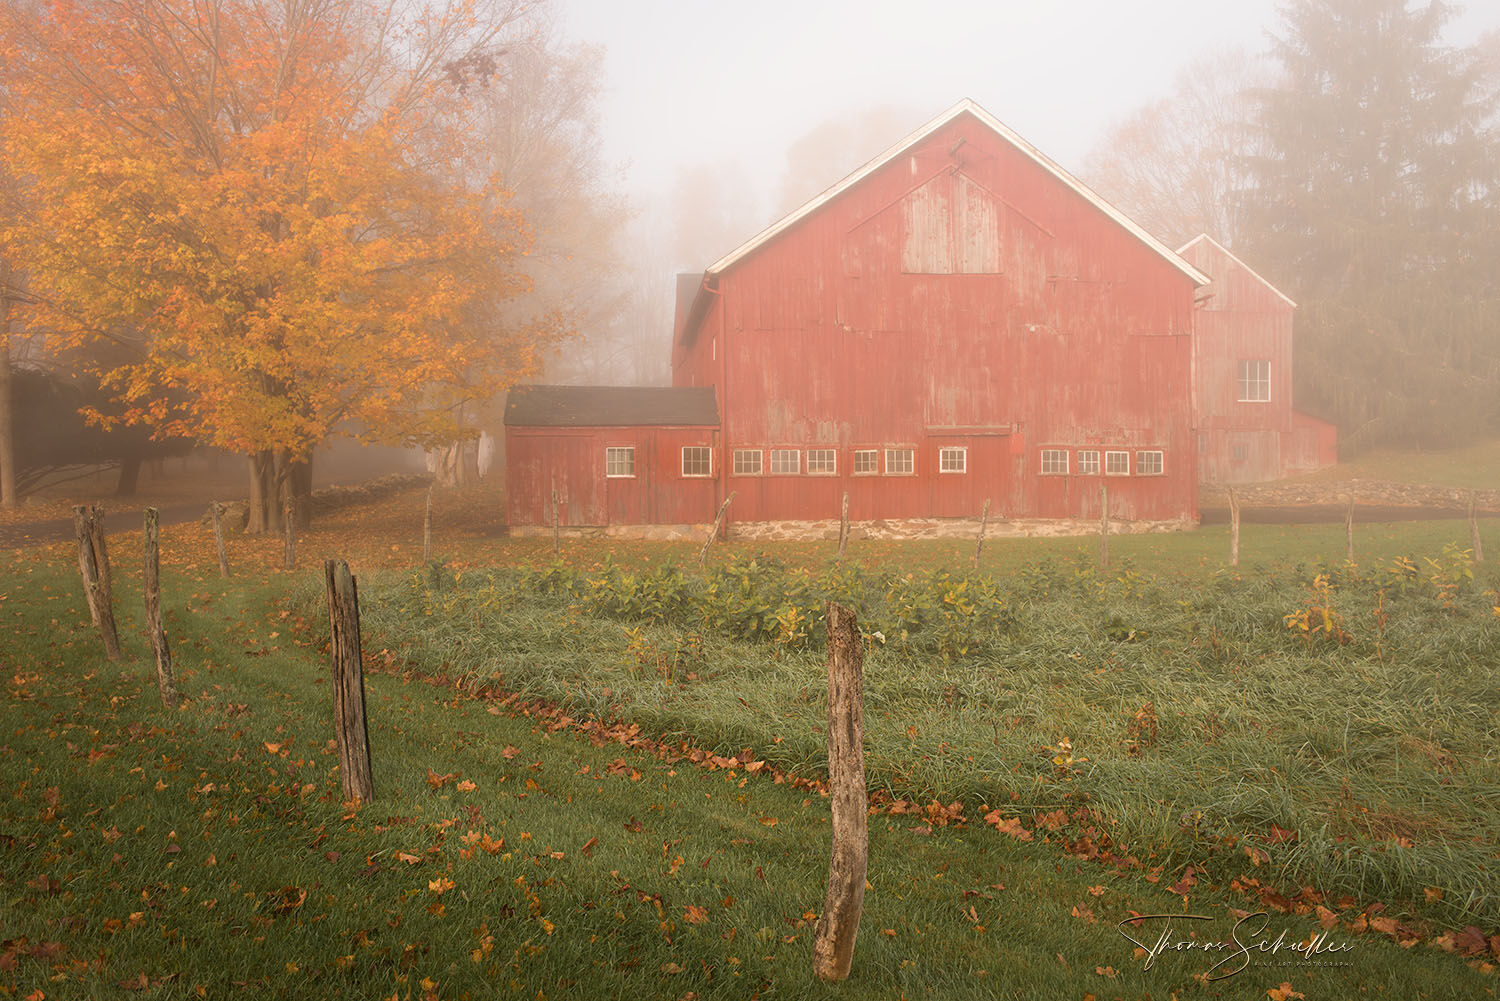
[298,491]
[164,680]
[351,729]
[130,476]
[93,559]
[714,531]
[838,925]
[265,513]
[9,494]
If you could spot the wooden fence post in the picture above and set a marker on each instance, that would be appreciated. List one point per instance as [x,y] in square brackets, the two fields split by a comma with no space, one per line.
[1349,529]
[844,525]
[1103,525]
[350,725]
[93,560]
[1234,528]
[219,541]
[714,531]
[984,521]
[556,533]
[164,680]
[289,539]
[1475,542]
[427,531]
[838,925]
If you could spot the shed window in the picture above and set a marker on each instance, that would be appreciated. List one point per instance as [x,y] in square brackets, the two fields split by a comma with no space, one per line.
[900,461]
[1116,463]
[1254,379]
[697,460]
[866,461]
[748,462]
[785,462]
[953,460]
[1088,463]
[619,461]
[1148,463]
[822,461]
[1054,461]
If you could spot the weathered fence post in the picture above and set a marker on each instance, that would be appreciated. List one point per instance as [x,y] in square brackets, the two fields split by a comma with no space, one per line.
[93,563]
[1103,525]
[349,721]
[427,531]
[714,531]
[1475,542]
[164,681]
[984,521]
[833,937]
[290,538]
[556,533]
[1349,529]
[844,525]
[1234,528]
[219,541]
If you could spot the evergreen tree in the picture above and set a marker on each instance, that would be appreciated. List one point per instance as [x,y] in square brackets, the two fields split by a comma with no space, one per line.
[1376,206]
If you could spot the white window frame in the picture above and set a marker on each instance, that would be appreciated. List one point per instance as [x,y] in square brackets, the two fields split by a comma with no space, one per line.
[708,450]
[745,453]
[1057,460]
[628,451]
[782,453]
[1253,385]
[1112,454]
[1089,463]
[873,454]
[1161,462]
[831,454]
[901,451]
[948,452]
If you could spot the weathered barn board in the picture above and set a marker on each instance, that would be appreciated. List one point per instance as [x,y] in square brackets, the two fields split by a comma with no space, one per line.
[1248,430]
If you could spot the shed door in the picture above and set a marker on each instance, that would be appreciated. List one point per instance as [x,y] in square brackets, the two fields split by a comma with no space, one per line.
[577,474]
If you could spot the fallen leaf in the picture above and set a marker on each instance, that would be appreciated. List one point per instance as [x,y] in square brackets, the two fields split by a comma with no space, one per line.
[1283,993]
[693,914]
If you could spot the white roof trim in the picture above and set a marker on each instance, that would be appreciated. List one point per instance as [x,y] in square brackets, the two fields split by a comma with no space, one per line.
[1000,129]
[1225,251]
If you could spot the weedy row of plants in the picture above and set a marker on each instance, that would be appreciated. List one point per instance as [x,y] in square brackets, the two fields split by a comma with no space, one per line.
[1352,706]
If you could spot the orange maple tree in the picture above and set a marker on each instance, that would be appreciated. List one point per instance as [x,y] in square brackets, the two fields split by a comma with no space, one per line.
[276,207]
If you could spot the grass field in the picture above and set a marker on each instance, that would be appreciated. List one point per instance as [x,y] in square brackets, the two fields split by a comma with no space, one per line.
[157,852]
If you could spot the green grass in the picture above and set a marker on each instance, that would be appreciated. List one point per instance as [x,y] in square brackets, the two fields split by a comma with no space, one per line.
[1476,466]
[206,848]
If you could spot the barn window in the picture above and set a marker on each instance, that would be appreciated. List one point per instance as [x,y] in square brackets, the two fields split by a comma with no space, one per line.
[1088,463]
[747,461]
[866,461]
[697,460]
[1148,463]
[822,461]
[1240,452]
[1116,463]
[1254,378]
[619,461]
[1054,461]
[953,460]
[785,462]
[900,461]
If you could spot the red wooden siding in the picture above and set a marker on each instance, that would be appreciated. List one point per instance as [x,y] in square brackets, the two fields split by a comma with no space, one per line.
[958,294]
[571,460]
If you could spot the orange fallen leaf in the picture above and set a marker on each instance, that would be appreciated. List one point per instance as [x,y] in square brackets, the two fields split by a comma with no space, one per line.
[693,914]
[1283,993]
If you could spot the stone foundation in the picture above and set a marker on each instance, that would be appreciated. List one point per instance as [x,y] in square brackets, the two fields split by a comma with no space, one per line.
[944,528]
[655,533]
[1299,493]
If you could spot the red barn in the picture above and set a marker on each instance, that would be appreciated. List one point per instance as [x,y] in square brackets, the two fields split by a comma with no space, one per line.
[959,320]
[1248,429]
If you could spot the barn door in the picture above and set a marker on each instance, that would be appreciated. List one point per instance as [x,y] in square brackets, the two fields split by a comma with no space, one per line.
[577,474]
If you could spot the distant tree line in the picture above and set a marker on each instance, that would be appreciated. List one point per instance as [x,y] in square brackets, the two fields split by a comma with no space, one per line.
[1356,168]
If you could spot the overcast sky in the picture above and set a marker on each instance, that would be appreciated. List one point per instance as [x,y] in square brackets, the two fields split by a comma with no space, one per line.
[703,81]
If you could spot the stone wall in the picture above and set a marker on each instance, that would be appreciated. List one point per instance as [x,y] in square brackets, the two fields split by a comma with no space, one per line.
[1386,493]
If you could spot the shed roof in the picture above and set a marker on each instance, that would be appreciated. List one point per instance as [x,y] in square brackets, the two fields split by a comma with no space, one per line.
[611,406]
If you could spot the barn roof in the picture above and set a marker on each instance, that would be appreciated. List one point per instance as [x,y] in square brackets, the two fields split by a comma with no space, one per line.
[1216,245]
[611,406]
[969,107]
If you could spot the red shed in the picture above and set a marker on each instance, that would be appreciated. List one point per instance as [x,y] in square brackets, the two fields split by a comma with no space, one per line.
[1248,429]
[959,319]
[614,457]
